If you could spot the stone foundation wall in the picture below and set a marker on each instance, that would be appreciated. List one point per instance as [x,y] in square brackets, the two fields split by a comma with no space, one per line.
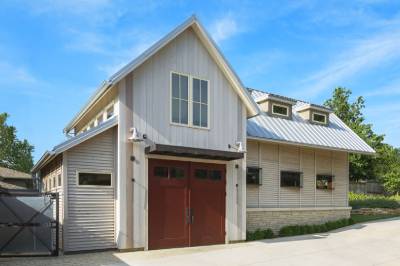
[376,211]
[276,218]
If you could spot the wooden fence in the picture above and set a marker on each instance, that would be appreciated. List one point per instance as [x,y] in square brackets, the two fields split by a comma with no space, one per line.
[366,188]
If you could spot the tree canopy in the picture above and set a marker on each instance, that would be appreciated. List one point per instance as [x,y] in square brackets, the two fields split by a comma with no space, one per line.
[14,153]
[385,166]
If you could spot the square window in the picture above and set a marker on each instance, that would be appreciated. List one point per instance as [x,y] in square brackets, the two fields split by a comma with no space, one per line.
[291,179]
[253,176]
[161,171]
[176,172]
[201,173]
[324,182]
[216,175]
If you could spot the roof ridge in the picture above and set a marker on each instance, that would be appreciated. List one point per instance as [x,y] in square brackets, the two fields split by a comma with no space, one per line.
[296,100]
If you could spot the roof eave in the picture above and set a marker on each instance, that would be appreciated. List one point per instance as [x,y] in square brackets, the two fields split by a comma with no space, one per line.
[89,104]
[311,145]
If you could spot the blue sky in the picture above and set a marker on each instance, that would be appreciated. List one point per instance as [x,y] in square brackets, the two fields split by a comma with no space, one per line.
[54,54]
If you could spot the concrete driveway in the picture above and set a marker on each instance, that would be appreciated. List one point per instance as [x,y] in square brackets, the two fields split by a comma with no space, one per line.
[375,243]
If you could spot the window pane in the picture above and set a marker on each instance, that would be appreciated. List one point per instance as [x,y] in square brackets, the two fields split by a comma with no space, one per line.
[204,92]
[184,112]
[175,110]
[215,175]
[319,118]
[175,85]
[161,171]
[184,87]
[324,182]
[201,173]
[176,172]
[196,114]
[110,112]
[196,90]
[276,109]
[91,179]
[204,117]
[59,180]
[253,176]
[290,179]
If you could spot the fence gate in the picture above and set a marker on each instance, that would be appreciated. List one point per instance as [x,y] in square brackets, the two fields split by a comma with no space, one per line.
[28,224]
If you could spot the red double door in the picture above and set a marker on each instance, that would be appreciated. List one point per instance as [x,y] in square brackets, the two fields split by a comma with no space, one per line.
[186,204]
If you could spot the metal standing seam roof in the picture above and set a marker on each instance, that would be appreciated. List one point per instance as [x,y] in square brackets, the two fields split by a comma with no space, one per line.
[336,136]
[69,143]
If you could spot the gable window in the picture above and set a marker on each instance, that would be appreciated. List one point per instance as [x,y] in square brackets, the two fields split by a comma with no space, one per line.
[319,118]
[324,182]
[110,111]
[278,109]
[94,179]
[200,102]
[291,179]
[100,119]
[180,99]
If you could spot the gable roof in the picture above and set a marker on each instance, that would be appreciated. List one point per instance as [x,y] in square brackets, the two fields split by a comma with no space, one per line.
[210,46]
[298,131]
[72,142]
[11,173]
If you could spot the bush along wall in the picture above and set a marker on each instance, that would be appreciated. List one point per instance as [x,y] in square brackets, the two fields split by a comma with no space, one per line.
[293,230]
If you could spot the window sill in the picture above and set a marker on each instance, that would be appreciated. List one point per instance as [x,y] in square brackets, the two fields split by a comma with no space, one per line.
[189,126]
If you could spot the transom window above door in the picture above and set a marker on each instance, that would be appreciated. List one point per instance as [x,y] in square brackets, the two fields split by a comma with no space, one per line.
[189,101]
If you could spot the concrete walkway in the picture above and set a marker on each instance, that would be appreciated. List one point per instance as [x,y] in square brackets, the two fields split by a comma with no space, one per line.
[375,243]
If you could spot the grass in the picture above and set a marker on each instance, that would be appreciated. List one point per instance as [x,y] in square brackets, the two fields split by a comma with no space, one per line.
[358,201]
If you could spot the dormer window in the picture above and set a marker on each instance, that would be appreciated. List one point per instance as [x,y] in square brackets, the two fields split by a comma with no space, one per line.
[315,114]
[276,106]
[319,118]
[278,109]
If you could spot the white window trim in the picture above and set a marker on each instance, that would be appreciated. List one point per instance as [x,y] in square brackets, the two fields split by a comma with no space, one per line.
[280,105]
[324,115]
[94,172]
[190,101]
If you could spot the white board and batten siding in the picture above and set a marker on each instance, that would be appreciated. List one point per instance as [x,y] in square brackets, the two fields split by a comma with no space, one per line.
[90,217]
[273,158]
[152,97]
[151,109]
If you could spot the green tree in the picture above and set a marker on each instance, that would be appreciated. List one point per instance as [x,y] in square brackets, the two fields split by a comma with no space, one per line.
[361,166]
[14,153]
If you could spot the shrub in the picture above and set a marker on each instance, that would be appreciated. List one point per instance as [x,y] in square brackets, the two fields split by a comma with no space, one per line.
[259,234]
[293,230]
[358,201]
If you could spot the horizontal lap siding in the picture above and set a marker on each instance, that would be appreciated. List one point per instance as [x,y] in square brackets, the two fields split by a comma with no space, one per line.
[91,210]
[273,158]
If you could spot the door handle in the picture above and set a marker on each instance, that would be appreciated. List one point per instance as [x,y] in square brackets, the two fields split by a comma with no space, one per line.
[187,217]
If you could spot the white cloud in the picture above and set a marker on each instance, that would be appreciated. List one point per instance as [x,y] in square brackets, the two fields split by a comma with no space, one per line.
[364,55]
[12,74]
[391,89]
[224,28]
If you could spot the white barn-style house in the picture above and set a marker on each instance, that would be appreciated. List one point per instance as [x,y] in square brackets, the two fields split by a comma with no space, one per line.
[174,151]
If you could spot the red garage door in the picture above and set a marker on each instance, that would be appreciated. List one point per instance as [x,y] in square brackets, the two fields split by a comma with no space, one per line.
[186,204]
